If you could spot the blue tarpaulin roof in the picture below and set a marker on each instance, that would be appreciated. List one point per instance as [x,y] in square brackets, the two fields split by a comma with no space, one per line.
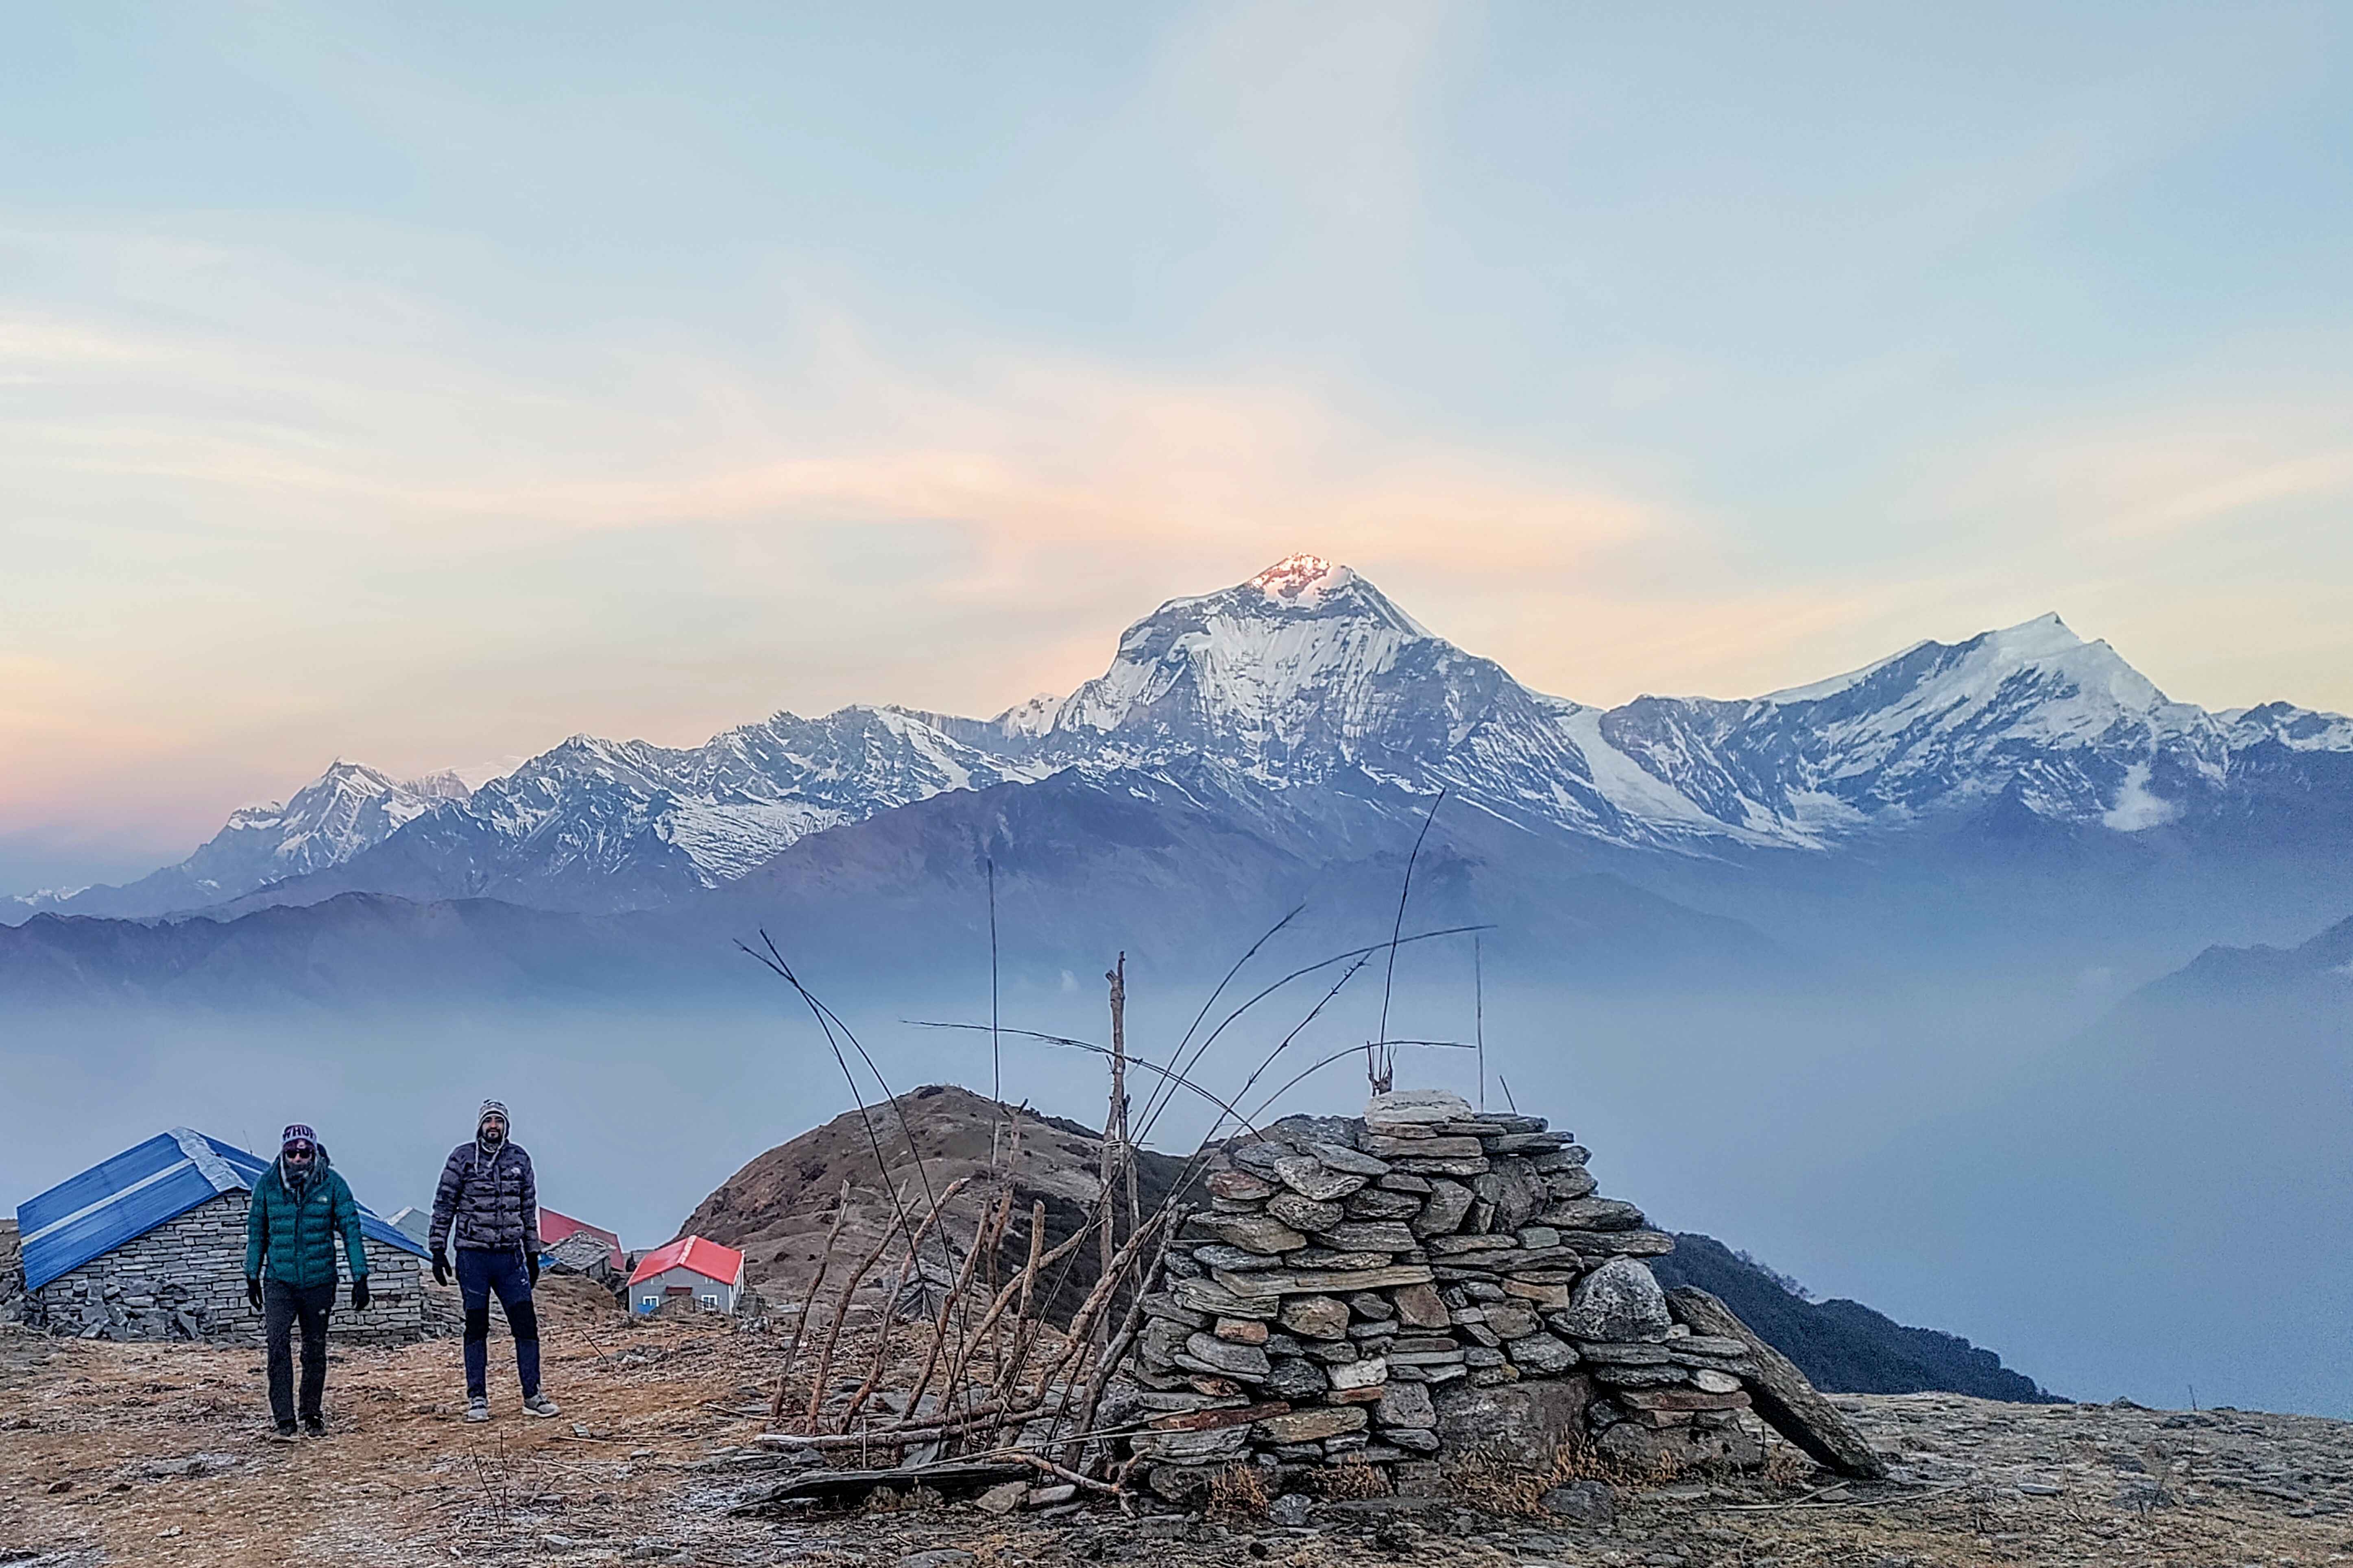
[139,1189]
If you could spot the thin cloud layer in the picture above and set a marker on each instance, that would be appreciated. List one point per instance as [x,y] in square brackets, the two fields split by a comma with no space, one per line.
[368,393]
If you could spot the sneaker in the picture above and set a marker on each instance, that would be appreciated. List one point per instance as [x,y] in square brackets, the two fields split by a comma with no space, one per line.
[285,1432]
[541,1404]
[314,1425]
[478,1410]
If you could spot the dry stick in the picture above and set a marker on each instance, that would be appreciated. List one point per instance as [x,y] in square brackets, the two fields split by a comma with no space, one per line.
[1012,1287]
[1179,1076]
[1152,1099]
[1012,1158]
[808,1307]
[1087,1483]
[1362,956]
[1182,1082]
[1099,1299]
[829,1020]
[1314,1068]
[988,1236]
[1005,1376]
[1110,1151]
[1285,1044]
[995,1327]
[890,1307]
[996,1070]
[1082,1321]
[1120,1342]
[940,1328]
[1126,1136]
[1479,1018]
[775,961]
[996,1060]
[898,1437]
[833,1336]
[1387,1073]
[1185,1177]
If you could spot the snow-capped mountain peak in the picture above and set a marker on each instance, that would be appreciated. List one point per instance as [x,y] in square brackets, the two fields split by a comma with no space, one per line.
[1299,647]
[345,809]
[1306,679]
[2066,725]
[1305,582]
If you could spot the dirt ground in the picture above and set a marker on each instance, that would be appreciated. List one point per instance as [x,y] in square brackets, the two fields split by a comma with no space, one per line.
[159,1454]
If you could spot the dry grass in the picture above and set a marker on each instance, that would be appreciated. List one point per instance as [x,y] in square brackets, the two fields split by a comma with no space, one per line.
[1786,1468]
[1502,1482]
[1345,1481]
[1237,1495]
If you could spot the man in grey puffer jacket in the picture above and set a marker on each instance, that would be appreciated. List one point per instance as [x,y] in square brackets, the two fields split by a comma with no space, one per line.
[490,1198]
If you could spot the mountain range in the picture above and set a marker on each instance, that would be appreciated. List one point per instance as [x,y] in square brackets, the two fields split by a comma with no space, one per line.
[1307,707]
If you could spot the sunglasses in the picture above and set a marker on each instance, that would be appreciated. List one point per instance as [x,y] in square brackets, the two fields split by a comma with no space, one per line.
[297,1151]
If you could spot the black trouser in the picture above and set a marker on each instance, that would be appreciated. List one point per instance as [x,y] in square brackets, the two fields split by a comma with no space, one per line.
[282,1305]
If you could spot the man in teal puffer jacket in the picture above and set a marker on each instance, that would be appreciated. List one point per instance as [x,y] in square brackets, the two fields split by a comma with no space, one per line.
[298,1208]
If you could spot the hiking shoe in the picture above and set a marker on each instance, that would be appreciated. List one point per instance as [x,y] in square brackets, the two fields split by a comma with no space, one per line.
[541,1404]
[284,1434]
[478,1409]
[314,1425]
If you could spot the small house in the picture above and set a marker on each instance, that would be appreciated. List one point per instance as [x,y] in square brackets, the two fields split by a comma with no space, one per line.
[149,1244]
[555,1229]
[689,1268]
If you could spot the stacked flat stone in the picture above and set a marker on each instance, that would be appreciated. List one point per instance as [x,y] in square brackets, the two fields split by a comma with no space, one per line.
[184,1279]
[1350,1277]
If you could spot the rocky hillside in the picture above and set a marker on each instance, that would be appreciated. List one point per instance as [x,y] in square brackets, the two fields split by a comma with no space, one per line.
[1843,1347]
[778,1208]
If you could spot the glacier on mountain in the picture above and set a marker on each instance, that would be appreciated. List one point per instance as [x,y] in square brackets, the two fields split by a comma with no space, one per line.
[1307,679]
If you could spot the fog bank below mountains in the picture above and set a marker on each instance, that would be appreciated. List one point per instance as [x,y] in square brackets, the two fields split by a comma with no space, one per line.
[2118,1204]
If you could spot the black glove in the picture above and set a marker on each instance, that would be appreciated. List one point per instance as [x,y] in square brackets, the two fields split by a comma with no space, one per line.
[440,1270]
[253,1292]
[360,1294]
[531,1266]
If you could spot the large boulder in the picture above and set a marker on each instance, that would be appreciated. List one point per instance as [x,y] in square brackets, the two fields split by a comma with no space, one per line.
[1417,1108]
[1527,1421]
[1682,1448]
[1618,1303]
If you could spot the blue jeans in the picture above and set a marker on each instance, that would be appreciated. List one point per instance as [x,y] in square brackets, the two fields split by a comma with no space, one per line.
[479,1274]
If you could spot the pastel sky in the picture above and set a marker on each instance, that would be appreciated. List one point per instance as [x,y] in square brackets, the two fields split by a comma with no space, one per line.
[422,383]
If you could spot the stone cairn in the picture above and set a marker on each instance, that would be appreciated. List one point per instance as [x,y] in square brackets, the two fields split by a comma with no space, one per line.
[1386,1291]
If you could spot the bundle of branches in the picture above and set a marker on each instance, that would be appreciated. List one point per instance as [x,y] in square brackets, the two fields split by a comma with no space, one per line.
[1015,1358]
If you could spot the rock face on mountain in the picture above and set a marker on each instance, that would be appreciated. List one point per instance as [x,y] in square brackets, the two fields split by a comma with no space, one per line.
[1307,681]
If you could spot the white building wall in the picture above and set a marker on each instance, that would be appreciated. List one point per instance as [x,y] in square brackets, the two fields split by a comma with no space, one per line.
[649,1294]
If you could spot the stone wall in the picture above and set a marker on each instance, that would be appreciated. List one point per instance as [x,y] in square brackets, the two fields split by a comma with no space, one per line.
[185,1279]
[1393,1290]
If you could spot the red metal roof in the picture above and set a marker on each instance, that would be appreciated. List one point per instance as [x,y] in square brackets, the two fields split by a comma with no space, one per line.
[553,1228]
[705,1257]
